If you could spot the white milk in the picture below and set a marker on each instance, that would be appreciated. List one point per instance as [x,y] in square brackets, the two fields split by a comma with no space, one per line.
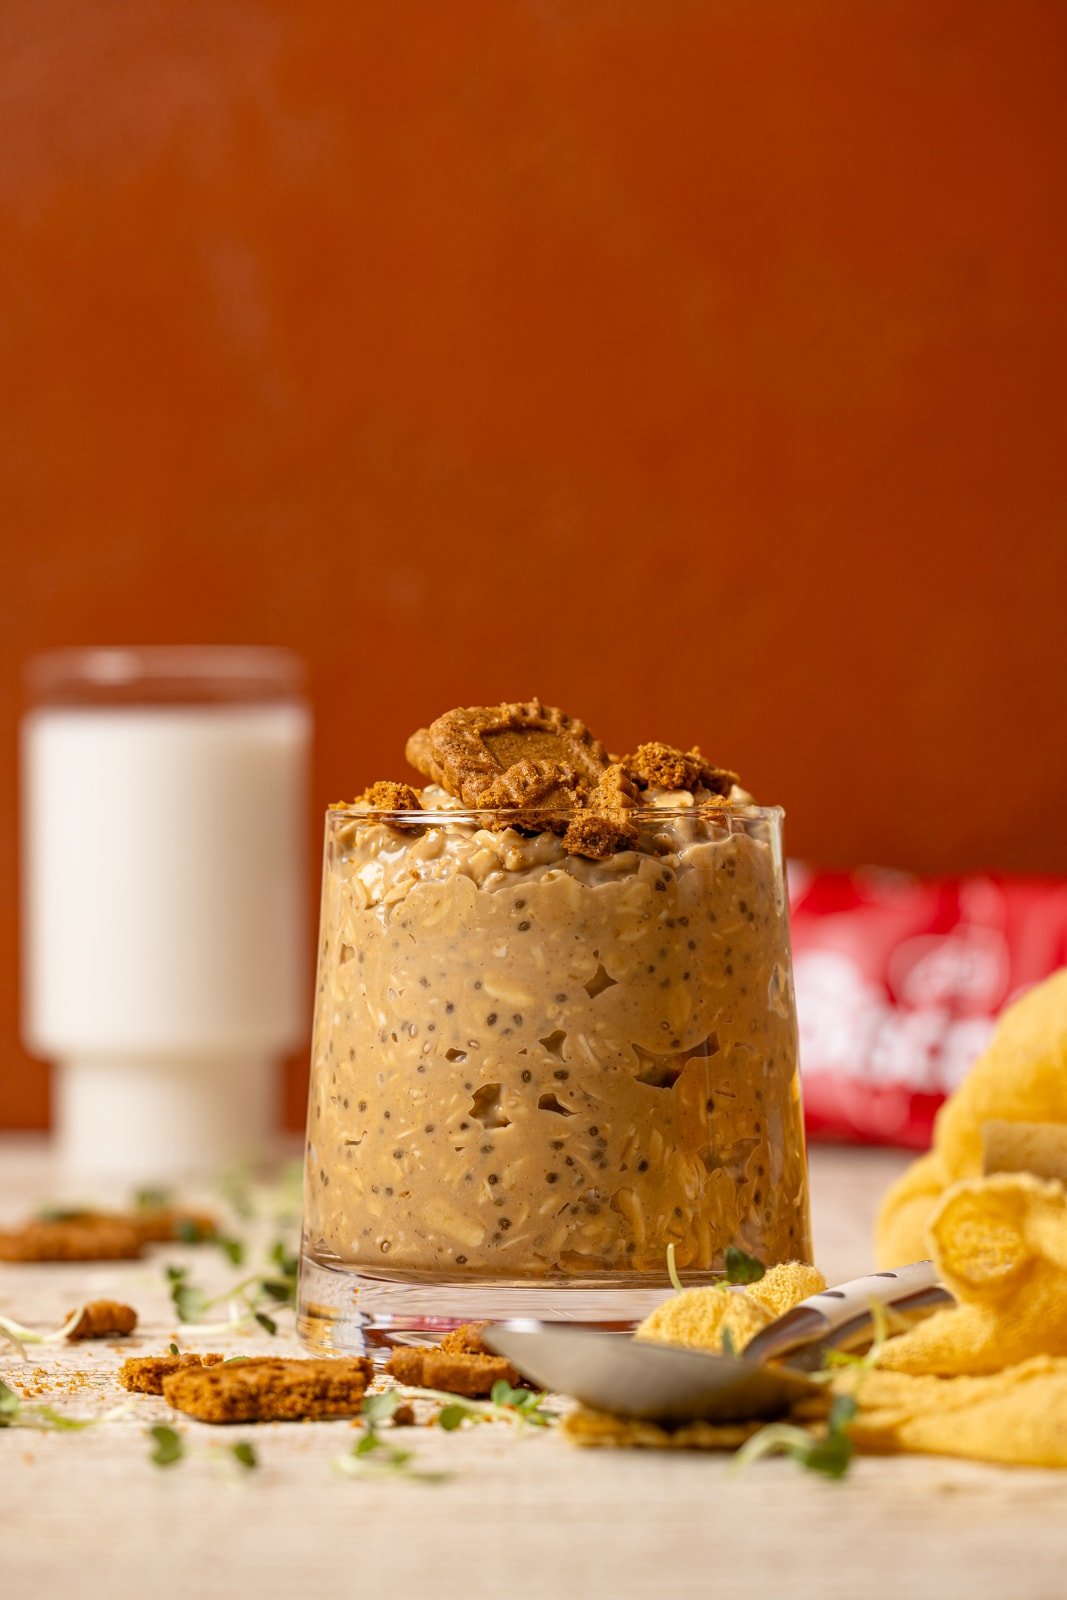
[164,925]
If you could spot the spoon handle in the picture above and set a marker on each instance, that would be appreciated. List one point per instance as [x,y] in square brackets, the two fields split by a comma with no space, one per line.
[842,1317]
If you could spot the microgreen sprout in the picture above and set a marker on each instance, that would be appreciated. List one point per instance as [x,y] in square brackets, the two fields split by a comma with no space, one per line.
[829,1453]
[738,1268]
[286,1260]
[189,1231]
[14,1413]
[373,1456]
[869,1359]
[10,1406]
[244,1297]
[505,1404]
[169,1447]
[729,1347]
[18,1335]
[236,1187]
[248,1196]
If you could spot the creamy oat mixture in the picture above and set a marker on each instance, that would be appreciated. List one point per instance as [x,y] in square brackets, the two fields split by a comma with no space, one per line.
[533,1065]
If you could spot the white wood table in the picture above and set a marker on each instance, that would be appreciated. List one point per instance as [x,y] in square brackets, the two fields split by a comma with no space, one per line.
[86,1515]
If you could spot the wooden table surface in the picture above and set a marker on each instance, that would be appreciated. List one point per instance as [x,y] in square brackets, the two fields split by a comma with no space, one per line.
[86,1515]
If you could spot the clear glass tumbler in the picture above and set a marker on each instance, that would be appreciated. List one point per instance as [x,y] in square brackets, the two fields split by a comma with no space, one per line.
[532,1072]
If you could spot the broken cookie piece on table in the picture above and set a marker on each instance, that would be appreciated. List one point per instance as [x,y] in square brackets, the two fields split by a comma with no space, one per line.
[462,1364]
[86,1235]
[270,1389]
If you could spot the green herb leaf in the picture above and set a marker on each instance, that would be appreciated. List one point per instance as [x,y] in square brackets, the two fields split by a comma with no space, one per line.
[190,1232]
[729,1348]
[366,1443]
[831,1456]
[741,1267]
[245,1454]
[189,1302]
[174,1349]
[453,1417]
[152,1199]
[176,1274]
[379,1407]
[10,1406]
[284,1259]
[265,1322]
[232,1249]
[169,1447]
[284,1293]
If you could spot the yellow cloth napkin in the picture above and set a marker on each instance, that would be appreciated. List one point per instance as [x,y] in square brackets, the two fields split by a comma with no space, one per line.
[1017,1416]
[1020,1079]
[1000,1244]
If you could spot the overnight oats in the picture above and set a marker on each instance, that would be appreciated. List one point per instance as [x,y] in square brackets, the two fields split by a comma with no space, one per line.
[554,1035]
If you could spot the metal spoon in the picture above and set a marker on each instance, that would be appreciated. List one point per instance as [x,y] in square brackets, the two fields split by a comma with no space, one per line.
[642,1378]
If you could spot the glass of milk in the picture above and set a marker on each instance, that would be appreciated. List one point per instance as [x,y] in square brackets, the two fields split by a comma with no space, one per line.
[164,840]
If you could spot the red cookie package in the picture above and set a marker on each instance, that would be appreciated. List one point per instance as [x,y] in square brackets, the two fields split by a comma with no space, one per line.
[899,982]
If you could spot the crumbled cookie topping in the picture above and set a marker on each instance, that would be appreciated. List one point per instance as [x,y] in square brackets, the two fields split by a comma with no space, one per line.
[538,767]
[662,766]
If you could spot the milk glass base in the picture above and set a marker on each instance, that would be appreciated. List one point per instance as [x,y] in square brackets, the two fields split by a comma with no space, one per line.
[345,1312]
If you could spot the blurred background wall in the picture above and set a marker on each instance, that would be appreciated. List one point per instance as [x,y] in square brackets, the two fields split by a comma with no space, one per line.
[697,365]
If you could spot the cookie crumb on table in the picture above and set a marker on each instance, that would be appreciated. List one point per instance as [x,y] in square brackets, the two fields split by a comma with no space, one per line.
[102,1319]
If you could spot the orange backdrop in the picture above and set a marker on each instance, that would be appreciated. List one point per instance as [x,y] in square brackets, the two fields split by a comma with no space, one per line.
[698,365]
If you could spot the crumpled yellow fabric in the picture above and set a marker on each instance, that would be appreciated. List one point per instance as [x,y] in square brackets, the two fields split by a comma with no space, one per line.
[700,1317]
[987,1377]
[1000,1245]
[1020,1078]
[1017,1416]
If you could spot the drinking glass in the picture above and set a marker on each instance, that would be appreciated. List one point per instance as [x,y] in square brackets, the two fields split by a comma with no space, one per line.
[532,1072]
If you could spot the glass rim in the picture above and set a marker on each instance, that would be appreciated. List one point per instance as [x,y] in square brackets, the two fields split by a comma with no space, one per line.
[489,816]
[102,674]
